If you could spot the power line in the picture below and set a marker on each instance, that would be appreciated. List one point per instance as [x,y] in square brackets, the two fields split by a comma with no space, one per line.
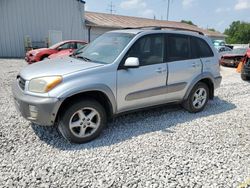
[111,8]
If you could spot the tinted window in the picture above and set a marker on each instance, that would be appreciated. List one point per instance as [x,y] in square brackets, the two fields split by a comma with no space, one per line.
[178,47]
[149,49]
[200,48]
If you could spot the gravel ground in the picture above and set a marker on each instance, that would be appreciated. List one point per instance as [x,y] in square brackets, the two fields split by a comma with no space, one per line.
[164,147]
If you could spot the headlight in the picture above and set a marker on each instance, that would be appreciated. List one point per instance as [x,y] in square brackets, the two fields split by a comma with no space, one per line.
[44,84]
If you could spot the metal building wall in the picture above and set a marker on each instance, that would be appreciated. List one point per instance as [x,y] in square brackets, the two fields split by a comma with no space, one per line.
[97,31]
[35,18]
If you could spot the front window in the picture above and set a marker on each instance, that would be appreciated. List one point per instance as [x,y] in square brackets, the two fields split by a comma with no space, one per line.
[106,48]
[148,49]
[56,45]
[70,45]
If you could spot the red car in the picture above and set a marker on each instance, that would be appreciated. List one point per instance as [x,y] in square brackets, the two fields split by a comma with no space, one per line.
[64,53]
[245,71]
[69,46]
[233,58]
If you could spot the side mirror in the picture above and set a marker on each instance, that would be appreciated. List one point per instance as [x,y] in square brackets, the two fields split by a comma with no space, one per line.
[132,62]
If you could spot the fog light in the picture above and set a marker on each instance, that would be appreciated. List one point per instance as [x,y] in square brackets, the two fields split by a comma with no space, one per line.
[33,111]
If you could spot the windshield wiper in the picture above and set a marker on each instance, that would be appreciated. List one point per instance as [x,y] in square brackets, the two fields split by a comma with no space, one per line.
[81,57]
[84,58]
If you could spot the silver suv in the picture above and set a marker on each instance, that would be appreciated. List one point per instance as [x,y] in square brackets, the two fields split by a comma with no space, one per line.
[120,71]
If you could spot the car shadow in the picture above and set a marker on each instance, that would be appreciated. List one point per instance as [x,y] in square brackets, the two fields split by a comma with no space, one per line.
[135,124]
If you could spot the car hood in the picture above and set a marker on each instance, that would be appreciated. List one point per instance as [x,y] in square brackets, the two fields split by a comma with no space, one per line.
[58,66]
[37,50]
[61,54]
[232,55]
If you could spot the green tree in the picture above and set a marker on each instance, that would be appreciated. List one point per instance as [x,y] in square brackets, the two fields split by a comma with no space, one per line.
[188,22]
[211,29]
[238,32]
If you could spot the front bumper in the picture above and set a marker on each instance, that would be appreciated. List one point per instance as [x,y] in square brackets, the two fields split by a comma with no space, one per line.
[39,110]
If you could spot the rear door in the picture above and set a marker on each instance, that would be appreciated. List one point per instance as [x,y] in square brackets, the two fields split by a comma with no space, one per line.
[183,66]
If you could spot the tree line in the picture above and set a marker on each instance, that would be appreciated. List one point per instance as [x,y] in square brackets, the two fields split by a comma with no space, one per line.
[237,33]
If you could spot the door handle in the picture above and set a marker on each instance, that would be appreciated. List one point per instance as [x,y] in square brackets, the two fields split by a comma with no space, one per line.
[193,64]
[160,70]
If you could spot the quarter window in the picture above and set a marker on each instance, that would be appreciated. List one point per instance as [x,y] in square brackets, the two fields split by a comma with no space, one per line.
[200,48]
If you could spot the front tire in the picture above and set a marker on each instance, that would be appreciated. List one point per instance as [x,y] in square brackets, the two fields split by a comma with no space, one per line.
[197,98]
[82,121]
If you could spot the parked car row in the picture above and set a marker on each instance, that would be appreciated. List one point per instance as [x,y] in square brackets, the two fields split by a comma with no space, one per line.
[233,58]
[60,49]
[120,71]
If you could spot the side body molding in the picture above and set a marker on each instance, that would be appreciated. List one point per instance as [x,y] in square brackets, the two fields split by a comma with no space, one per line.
[156,91]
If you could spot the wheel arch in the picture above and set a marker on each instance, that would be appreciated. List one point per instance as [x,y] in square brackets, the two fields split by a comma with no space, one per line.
[206,78]
[98,95]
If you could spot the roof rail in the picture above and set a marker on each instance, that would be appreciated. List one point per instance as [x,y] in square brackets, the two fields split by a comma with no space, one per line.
[165,27]
[146,28]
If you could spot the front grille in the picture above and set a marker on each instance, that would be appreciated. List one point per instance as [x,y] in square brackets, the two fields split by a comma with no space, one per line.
[21,82]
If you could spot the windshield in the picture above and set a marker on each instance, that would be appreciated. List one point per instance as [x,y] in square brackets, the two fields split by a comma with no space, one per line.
[241,51]
[106,48]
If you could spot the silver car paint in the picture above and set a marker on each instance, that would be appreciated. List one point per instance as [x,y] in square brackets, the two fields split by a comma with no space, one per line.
[176,78]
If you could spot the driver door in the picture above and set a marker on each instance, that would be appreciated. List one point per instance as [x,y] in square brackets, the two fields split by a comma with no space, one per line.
[145,85]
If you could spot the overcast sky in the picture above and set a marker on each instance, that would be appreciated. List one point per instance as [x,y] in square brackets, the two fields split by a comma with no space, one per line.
[216,14]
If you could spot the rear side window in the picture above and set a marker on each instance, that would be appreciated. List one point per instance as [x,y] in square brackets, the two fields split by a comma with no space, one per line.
[200,48]
[178,47]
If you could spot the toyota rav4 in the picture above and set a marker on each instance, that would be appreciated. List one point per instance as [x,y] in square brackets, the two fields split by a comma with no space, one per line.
[120,71]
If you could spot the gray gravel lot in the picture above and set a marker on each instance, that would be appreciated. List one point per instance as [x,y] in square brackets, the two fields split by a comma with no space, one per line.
[163,147]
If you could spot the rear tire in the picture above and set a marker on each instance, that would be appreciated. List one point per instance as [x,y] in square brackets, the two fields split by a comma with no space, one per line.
[82,121]
[197,98]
